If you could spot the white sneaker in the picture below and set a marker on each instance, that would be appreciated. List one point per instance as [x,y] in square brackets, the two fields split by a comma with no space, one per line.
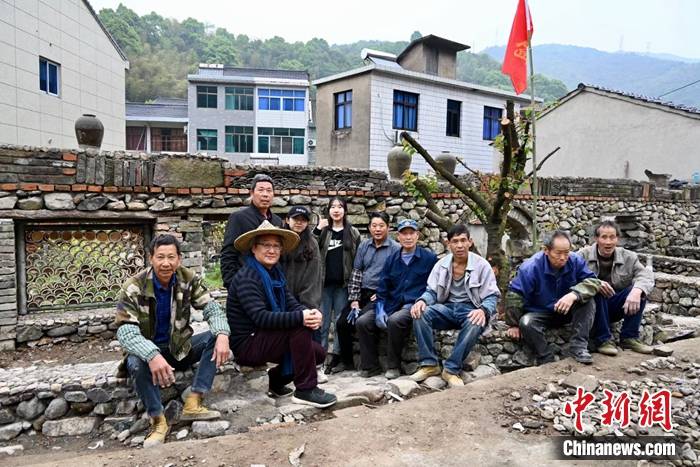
[321,376]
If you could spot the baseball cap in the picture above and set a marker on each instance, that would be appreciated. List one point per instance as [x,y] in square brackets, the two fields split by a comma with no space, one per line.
[406,223]
[299,211]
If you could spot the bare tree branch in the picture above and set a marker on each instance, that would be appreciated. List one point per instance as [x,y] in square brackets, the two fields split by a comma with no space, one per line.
[434,212]
[479,200]
[539,166]
[461,162]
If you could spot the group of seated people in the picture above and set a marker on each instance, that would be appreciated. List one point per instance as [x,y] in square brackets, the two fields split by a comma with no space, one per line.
[287,283]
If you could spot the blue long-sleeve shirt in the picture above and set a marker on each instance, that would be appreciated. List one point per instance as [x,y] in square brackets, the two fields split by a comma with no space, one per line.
[541,286]
[402,284]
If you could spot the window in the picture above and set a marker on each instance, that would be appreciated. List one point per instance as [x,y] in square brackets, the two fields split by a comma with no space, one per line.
[206,140]
[281,99]
[405,111]
[206,97]
[281,140]
[492,122]
[239,139]
[48,76]
[343,110]
[239,99]
[454,109]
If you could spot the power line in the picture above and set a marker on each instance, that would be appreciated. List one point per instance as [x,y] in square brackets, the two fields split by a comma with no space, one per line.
[678,89]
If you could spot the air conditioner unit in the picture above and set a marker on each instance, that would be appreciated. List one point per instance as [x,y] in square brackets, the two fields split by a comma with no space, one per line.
[311,143]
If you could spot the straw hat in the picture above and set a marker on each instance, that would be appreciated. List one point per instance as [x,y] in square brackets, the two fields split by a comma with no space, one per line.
[290,239]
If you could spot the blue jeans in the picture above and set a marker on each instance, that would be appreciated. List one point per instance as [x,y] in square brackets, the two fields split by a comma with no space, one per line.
[202,351]
[333,299]
[609,310]
[443,317]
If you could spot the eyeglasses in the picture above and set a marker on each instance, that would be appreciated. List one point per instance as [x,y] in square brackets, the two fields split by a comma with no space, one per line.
[270,246]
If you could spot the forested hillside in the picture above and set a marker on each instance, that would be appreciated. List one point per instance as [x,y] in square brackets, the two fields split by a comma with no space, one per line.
[162,51]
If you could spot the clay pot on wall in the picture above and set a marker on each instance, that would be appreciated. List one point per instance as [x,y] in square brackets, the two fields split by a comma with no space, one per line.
[448,161]
[398,161]
[89,131]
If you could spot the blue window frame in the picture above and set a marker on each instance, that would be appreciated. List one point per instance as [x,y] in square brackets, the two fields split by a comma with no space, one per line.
[492,122]
[287,100]
[48,76]
[343,110]
[405,111]
[454,109]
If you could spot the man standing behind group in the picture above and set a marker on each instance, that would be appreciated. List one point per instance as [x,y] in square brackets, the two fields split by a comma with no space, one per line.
[462,294]
[625,283]
[402,281]
[244,220]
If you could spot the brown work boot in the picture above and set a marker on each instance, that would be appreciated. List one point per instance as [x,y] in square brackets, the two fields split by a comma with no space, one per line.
[159,430]
[425,372]
[635,345]
[608,348]
[194,410]
[451,379]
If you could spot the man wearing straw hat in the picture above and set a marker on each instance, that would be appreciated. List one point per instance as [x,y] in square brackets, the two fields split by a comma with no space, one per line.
[268,324]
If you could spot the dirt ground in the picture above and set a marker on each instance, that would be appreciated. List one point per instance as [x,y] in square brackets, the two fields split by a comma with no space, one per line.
[463,426]
[90,351]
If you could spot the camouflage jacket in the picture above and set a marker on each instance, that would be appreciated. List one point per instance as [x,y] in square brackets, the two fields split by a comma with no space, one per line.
[137,306]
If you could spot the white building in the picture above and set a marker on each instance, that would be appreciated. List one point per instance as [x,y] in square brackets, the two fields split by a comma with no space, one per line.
[249,115]
[614,134]
[361,112]
[57,62]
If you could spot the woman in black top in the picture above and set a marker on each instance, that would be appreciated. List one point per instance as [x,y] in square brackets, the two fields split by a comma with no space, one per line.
[338,242]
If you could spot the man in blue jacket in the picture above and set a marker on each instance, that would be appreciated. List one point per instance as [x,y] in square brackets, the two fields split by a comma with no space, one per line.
[402,281]
[552,288]
[462,294]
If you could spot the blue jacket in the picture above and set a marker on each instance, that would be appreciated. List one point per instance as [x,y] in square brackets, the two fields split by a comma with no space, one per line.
[402,284]
[539,286]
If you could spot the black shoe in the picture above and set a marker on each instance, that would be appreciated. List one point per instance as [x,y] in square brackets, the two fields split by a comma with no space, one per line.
[371,372]
[315,397]
[335,361]
[580,355]
[548,358]
[340,367]
[282,391]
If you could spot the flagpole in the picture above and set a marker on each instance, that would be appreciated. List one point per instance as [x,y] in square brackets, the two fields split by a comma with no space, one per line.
[534,149]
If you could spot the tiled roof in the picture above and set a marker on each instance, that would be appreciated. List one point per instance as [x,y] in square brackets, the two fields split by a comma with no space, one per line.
[637,97]
[156,111]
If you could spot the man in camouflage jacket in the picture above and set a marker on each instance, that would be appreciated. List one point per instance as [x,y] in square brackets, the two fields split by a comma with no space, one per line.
[153,318]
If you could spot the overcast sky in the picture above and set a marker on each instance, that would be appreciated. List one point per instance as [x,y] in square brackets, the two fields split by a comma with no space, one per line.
[657,26]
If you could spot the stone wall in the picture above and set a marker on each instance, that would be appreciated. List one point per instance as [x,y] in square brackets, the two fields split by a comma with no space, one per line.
[684,251]
[672,264]
[679,295]
[8,300]
[176,194]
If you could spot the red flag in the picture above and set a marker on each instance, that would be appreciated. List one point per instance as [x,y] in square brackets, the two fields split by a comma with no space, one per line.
[515,59]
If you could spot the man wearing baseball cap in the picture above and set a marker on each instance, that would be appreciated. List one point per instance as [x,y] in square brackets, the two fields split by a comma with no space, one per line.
[268,324]
[402,281]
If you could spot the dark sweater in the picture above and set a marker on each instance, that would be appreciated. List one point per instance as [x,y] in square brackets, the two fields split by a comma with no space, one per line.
[240,222]
[248,310]
[303,274]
